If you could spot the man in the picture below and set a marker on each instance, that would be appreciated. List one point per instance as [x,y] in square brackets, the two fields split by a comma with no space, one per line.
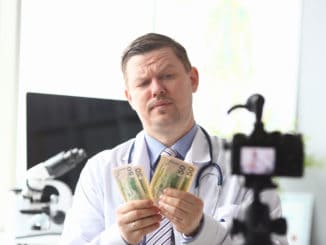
[159,82]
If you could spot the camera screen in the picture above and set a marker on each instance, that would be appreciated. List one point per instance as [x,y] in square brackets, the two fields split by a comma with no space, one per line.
[257,160]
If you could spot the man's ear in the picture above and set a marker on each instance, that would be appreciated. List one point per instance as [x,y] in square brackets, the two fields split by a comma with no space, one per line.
[129,98]
[194,76]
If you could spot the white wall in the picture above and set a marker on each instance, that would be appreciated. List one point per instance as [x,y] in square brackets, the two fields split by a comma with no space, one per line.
[311,114]
[8,98]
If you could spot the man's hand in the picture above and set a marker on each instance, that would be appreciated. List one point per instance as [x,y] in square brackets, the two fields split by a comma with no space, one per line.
[183,209]
[137,218]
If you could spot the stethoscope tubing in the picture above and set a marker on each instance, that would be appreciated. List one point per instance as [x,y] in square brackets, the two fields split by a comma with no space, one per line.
[209,164]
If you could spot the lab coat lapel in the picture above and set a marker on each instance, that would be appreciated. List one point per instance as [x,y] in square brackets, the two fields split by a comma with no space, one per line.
[140,154]
[198,153]
[208,189]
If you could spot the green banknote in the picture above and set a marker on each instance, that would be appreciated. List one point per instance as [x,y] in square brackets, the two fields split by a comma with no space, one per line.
[174,173]
[132,182]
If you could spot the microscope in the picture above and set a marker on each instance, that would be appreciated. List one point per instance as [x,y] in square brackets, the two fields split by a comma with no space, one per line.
[41,205]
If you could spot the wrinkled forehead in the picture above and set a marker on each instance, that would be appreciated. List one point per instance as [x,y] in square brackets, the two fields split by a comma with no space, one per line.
[153,61]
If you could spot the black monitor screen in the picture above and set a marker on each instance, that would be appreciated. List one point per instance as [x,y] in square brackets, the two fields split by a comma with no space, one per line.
[58,123]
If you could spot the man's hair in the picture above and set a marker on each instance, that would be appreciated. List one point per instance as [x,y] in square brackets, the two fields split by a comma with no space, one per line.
[153,41]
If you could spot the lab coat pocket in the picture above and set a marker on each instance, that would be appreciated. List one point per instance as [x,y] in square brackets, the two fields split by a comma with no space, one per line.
[225,214]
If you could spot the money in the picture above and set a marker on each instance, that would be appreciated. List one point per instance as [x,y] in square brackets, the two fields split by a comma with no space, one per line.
[132,182]
[174,173]
[170,172]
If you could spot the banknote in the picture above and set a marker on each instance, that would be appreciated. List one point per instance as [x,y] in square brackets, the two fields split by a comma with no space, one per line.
[132,182]
[174,173]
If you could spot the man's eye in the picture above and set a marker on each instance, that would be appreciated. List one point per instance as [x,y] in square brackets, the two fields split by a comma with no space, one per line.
[166,76]
[143,83]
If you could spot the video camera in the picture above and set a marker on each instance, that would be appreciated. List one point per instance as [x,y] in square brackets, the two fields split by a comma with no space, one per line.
[262,153]
[258,157]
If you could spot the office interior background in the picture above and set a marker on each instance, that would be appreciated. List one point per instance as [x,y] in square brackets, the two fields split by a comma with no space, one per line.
[72,47]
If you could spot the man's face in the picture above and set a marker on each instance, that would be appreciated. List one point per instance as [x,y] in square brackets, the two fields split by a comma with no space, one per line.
[159,89]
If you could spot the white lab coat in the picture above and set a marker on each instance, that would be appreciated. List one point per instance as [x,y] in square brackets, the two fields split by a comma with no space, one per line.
[91,219]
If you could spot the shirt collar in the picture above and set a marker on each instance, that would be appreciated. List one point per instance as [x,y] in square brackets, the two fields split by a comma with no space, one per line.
[154,147]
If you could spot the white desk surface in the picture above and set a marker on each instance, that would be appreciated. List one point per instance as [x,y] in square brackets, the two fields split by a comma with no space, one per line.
[41,240]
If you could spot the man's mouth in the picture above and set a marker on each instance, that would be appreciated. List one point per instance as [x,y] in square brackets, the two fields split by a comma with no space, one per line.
[160,103]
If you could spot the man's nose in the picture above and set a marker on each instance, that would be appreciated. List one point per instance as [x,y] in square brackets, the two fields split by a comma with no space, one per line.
[158,87]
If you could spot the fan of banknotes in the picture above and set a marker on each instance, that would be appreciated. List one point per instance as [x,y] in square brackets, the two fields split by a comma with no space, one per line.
[170,172]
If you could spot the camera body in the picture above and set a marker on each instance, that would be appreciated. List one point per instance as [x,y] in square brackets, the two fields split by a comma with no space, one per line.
[267,154]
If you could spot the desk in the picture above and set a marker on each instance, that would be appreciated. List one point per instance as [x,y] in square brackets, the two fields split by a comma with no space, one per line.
[41,240]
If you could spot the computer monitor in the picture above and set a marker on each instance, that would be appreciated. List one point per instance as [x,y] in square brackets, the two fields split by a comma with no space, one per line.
[58,123]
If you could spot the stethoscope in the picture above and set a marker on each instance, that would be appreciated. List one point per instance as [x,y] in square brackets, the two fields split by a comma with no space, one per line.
[200,174]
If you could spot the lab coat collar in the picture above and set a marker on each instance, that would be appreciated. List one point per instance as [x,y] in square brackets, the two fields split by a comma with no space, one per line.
[138,149]
[199,150]
[140,154]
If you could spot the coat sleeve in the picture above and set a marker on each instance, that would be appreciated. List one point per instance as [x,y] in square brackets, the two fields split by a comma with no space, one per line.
[85,222]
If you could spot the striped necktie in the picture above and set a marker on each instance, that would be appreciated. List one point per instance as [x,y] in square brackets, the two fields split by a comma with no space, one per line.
[164,234]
